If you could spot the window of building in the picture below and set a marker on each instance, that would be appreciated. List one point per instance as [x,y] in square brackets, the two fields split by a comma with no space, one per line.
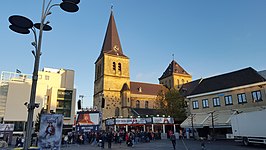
[195,104]
[146,104]
[183,81]
[241,98]
[177,83]
[216,102]
[119,66]
[39,76]
[116,111]
[137,104]
[46,77]
[205,103]
[228,100]
[114,66]
[256,96]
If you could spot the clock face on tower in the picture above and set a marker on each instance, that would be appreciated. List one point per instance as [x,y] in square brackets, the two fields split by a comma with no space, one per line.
[116,48]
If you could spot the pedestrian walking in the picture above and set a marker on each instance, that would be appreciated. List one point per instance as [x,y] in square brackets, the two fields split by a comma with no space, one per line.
[173,139]
[109,139]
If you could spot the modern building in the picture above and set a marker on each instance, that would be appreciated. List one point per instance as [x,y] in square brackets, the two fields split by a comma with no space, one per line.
[115,94]
[212,101]
[55,93]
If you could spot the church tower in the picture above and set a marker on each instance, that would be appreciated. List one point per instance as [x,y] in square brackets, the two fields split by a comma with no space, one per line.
[111,74]
[174,76]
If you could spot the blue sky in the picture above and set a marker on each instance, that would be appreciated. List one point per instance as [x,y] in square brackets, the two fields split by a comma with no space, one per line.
[207,37]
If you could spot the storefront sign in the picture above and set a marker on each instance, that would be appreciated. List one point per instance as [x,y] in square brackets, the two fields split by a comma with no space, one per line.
[124,121]
[109,122]
[163,120]
[87,128]
[133,121]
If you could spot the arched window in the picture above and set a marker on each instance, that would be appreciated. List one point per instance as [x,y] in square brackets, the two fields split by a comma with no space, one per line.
[146,104]
[177,83]
[119,66]
[114,66]
[116,111]
[183,81]
[137,104]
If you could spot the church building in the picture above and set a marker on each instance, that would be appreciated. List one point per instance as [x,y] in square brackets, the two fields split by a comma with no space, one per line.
[114,94]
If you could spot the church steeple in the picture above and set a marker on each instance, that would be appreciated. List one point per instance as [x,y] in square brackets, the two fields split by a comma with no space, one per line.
[174,76]
[111,44]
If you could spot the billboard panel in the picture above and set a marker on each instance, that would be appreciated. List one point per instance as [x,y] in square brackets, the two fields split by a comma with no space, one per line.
[168,120]
[50,132]
[6,127]
[88,121]
[88,118]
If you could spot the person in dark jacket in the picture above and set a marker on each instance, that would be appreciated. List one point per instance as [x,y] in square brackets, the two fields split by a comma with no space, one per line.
[173,139]
[109,139]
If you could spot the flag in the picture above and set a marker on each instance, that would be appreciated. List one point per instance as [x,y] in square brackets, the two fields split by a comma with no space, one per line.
[18,71]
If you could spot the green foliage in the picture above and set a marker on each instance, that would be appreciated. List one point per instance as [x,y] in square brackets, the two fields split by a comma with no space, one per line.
[173,104]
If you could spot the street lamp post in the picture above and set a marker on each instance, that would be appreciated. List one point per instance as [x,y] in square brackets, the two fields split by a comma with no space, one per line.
[22,25]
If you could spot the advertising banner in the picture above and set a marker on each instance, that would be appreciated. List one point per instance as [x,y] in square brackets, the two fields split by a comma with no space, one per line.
[109,122]
[133,121]
[88,121]
[168,120]
[6,127]
[88,118]
[87,128]
[50,132]
[144,120]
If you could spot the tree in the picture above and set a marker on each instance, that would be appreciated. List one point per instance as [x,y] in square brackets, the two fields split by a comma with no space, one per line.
[38,119]
[172,103]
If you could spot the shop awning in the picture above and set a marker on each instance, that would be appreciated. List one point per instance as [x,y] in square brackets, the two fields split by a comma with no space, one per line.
[221,119]
[197,119]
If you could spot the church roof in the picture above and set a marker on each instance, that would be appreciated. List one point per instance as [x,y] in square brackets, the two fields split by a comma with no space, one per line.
[189,87]
[173,67]
[145,111]
[146,88]
[233,79]
[111,43]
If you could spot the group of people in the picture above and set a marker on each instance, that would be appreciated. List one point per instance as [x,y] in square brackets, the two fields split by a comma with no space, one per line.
[100,138]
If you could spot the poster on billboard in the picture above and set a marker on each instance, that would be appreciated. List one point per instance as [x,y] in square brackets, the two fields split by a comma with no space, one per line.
[88,121]
[88,118]
[6,127]
[50,132]
[164,120]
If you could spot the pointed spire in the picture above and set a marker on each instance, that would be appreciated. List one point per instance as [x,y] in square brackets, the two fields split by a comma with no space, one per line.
[111,44]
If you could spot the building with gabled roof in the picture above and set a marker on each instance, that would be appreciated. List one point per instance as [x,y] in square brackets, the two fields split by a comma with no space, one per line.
[212,101]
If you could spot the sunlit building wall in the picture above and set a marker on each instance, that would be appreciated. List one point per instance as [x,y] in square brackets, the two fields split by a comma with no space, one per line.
[55,93]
